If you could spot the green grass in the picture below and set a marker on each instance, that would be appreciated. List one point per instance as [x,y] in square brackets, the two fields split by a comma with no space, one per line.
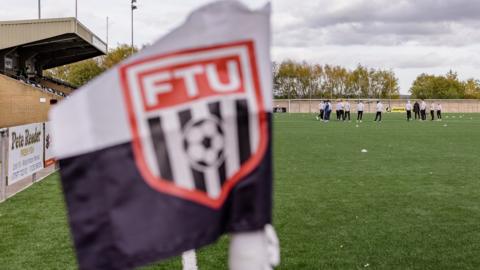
[411,202]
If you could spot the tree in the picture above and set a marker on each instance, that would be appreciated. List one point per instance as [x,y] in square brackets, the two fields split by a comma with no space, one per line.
[329,82]
[384,85]
[301,80]
[472,88]
[307,75]
[445,87]
[340,76]
[286,80]
[82,72]
[117,55]
[317,79]
[360,81]
[422,86]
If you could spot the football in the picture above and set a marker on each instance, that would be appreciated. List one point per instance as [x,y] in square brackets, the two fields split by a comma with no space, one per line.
[204,143]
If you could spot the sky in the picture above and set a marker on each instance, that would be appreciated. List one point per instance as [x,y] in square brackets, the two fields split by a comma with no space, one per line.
[408,36]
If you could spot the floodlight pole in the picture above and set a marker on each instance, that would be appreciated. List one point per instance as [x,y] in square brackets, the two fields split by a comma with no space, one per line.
[107,34]
[310,97]
[390,94]
[39,9]
[76,16]
[133,7]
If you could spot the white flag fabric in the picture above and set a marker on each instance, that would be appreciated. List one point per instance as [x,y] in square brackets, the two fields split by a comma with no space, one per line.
[95,117]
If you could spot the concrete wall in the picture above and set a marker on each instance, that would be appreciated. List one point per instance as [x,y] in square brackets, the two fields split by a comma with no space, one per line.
[449,105]
[20,103]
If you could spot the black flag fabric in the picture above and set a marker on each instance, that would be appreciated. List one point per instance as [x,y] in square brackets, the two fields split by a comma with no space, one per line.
[172,148]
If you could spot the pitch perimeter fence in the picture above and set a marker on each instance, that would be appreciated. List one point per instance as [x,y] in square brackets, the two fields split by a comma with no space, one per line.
[26,157]
[311,105]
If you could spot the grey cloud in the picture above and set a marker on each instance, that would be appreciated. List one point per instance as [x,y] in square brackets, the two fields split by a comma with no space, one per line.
[369,34]
[384,22]
[442,34]
[397,11]
[408,28]
[379,33]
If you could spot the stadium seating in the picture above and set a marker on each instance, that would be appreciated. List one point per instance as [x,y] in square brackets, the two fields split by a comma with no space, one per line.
[37,85]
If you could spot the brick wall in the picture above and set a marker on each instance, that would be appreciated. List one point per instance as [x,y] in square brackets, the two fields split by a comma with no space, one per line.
[20,103]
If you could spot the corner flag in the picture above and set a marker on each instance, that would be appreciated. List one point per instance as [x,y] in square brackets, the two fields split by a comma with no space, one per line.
[172,148]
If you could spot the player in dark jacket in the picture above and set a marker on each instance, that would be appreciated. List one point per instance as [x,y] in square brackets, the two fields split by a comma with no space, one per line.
[327,112]
[416,110]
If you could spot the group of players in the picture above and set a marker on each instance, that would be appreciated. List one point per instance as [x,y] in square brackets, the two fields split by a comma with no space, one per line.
[420,110]
[343,109]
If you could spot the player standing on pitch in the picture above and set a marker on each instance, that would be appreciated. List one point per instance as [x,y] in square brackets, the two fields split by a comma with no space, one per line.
[408,108]
[327,112]
[432,111]
[423,110]
[416,110]
[321,108]
[379,107]
[439,112]
[339,110]
[347,111]
[360,107]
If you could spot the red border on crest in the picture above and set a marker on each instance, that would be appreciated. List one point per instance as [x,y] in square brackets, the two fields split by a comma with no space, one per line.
[170,188]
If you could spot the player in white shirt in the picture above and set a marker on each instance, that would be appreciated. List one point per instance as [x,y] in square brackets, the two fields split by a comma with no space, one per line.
[408,108]
[439,112]
[379,107]
[360,108]
[321,108]
[432,111]
[347,111]
[340,111]
[423,110]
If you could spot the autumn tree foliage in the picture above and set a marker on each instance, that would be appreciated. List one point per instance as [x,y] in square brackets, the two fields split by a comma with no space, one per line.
[447,86]
[303,80]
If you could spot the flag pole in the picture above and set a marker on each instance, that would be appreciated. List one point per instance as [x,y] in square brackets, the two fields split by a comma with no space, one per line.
[189,260]
[133,7]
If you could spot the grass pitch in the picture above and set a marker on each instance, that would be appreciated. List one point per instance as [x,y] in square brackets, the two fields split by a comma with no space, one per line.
[411,202]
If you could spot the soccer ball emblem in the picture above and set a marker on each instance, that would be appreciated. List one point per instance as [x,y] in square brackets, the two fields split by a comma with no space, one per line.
[204,142]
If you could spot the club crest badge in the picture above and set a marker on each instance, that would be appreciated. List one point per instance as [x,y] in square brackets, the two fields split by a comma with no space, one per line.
[197,119]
